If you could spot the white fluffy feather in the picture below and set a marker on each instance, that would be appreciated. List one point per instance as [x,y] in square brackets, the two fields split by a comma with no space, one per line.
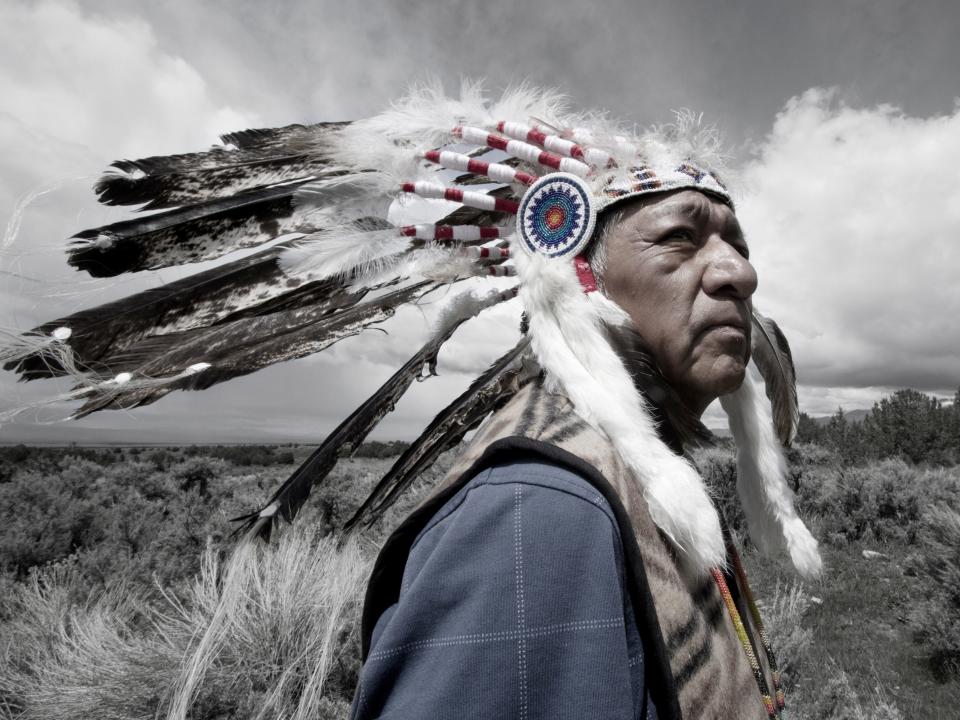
[338,251]
[424,119]
[761,481]
[568,342]
[338,200]
[431,262]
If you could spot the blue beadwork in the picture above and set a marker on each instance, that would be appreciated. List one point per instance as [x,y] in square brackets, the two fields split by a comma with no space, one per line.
[555,217]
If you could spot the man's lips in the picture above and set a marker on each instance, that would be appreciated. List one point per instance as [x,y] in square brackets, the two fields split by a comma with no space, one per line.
[728,321]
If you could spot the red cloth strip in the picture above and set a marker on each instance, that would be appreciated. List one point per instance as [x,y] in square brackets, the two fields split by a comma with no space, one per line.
[588,280]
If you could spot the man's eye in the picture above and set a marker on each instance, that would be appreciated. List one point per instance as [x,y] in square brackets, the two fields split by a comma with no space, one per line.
[680,235]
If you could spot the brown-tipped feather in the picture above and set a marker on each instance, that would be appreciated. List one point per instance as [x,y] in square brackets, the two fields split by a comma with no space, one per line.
[772,356]
[202,299]
[161,191]
[188,234]
[246,345]
[259,158]
[298,138]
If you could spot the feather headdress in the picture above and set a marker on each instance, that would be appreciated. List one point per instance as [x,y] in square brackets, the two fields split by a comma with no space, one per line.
[386,210]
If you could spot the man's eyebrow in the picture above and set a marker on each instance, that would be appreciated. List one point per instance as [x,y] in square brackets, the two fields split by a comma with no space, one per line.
[692,209]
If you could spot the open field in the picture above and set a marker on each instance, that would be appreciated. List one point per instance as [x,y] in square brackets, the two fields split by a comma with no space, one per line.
[115,563]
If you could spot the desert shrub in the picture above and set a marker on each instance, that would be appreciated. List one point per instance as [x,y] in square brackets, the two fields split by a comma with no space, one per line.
[11,457]
[100,456]
[117,519]
[251,455]
[46,518]
[809,455]
[380,450]
[162,459]
[718,467]
[937,562]
[879,501]
[882,501]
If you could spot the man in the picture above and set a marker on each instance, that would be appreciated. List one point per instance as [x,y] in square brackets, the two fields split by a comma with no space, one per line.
[535,583]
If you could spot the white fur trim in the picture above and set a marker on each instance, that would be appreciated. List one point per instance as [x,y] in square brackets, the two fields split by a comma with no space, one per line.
[761,481]
[568,341]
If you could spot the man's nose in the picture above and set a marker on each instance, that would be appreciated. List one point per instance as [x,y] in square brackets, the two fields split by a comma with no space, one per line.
[728,272]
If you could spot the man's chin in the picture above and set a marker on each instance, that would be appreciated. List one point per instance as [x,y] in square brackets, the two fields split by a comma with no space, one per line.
[724,377]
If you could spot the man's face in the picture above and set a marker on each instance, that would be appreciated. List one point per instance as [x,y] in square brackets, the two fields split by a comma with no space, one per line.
[677,264]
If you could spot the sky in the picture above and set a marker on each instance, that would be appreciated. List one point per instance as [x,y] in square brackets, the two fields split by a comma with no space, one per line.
[841,118]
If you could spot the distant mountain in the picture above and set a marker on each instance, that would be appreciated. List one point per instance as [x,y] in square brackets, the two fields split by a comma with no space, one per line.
[856,416]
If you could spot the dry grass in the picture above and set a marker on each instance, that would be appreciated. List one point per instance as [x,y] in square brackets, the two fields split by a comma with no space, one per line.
[783,617]
[839,700]
[262,637]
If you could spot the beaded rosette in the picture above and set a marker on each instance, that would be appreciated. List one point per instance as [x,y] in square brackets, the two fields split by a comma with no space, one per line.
[556,216]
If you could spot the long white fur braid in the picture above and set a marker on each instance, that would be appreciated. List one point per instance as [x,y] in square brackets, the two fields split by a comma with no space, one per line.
[766,498]
[568,341]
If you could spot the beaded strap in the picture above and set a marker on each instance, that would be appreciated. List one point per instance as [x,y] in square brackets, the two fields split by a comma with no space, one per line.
[775,702]
[755,614]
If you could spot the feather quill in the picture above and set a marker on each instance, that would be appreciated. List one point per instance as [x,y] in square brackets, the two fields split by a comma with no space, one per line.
[487,393]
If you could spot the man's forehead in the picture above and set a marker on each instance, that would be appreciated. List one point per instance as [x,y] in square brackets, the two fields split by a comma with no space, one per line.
[688,203]
[692,205]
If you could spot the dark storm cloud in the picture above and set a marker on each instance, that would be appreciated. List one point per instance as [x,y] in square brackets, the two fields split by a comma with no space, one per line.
[738,62]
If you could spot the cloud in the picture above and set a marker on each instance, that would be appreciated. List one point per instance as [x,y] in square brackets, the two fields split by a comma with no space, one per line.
[853,217]
[104,82]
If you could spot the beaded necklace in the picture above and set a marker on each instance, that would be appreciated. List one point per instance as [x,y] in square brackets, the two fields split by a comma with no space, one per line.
[773,703]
